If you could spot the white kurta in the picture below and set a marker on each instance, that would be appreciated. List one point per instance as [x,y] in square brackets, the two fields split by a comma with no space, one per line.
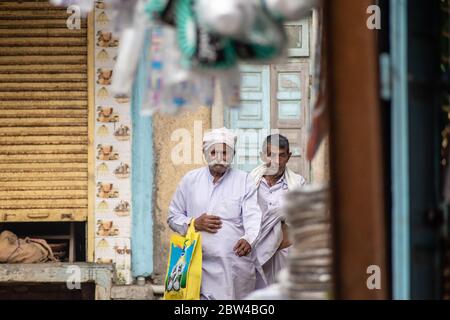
[270,200]
[234,199]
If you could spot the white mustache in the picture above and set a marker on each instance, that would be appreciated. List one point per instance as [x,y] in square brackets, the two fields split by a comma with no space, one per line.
[221,163]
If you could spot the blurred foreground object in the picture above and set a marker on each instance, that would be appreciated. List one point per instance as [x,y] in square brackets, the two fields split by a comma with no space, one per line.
[290,10]
[320,115]
[308,275]
[134,25]
[310,264]
[206,42]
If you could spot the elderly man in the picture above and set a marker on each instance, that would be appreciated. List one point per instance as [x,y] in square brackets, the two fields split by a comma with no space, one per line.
[273,180]
[222,204]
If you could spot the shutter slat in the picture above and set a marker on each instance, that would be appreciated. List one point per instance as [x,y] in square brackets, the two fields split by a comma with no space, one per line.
[47,68]
[43,32]
[42,77]
[44,149]
[42,194]
[43,203]
[49,104]
[43,131]
[45,51]
[53,86]
[43,167]
[36,23]
[65,113]
[40,41]
[42,185]
[26,5]
[40,140]
[35,122]
[27,60]
[57,95]
[43,176]
[33,14]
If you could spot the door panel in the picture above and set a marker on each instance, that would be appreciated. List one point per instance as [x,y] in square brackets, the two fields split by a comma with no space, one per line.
[298,38]
[290,110]
[253,119]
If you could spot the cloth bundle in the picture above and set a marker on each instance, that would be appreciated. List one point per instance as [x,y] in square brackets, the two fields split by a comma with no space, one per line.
[15,250]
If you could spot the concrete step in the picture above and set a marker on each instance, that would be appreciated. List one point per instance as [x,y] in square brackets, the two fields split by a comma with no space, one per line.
[132,292]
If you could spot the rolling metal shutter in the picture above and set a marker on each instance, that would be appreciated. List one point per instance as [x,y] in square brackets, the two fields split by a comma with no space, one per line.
[43,114]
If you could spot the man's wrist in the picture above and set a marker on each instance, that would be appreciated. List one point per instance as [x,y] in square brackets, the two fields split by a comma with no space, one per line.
[246,238]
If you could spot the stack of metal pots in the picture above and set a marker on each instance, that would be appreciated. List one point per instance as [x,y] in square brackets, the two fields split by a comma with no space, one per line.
[309,271]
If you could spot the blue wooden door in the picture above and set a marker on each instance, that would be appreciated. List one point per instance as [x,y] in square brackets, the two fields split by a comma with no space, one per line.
[290,110]
[252,120]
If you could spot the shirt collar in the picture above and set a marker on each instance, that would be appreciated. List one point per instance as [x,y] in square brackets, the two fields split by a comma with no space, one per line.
[282,181]
[211,178]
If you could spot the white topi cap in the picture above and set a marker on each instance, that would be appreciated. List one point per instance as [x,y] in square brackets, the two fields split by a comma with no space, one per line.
[217,136]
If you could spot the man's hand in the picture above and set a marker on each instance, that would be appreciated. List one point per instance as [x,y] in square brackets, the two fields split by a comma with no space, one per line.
[208,223]
[242,248]
[286,243]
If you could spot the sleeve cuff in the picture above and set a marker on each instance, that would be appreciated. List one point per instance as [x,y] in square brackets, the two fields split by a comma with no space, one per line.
[249,239]
[186,222]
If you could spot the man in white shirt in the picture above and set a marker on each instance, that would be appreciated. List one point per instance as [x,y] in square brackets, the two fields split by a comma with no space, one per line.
[273,180]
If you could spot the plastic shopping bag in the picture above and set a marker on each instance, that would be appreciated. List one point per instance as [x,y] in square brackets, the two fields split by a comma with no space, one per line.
[184,269]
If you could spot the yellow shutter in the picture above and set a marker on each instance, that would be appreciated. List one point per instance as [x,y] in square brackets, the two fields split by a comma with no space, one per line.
[43,114]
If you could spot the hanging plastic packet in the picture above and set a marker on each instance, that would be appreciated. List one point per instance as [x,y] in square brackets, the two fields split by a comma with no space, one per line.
[180,87]
[202,90]
[154,72]
[199,47]
[130,49]
[230,86]
[228,18]
[170,87]
[179,96]
[123,13]
[205,86]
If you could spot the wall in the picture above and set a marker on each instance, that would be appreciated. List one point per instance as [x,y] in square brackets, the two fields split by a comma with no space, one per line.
[113,156]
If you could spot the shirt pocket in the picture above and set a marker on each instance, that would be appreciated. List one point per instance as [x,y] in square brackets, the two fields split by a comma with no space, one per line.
[231,209]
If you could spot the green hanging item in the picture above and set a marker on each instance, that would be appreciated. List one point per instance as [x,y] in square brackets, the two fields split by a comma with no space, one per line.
[199,47]
[162,10]
[186,28]
[265,40]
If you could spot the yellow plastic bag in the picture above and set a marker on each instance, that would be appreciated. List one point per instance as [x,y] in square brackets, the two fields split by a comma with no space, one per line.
[184,269]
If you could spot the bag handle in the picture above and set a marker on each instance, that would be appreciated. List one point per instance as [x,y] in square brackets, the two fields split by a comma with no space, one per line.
[191,228]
